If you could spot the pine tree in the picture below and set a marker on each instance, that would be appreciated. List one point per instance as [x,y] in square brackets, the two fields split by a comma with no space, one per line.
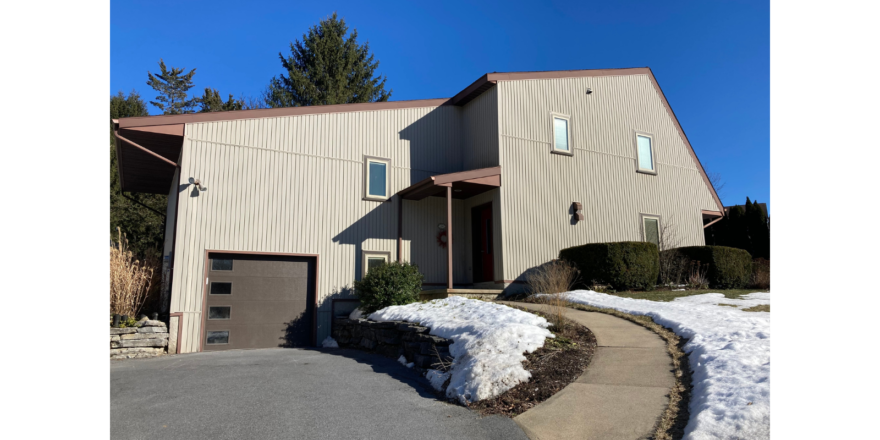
[759,231]
[143,227]
[172,86]
[738,236]
[211,102]
[327,67]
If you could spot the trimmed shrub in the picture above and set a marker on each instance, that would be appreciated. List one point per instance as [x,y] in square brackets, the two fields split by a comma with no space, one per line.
[390,284]
[623,265]
[729,268]
[760,273]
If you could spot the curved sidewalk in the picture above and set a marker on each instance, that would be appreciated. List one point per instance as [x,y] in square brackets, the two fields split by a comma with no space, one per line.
[621,395]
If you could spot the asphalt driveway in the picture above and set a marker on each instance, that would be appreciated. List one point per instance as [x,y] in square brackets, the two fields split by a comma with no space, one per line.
[286,393]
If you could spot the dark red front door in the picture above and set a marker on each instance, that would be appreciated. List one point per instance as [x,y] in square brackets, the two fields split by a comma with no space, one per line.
[486,254]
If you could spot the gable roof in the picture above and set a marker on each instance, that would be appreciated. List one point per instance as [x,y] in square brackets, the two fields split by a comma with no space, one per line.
[485,82]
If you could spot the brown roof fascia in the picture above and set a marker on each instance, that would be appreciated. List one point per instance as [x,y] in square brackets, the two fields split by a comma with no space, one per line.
[277,112]
[173,130]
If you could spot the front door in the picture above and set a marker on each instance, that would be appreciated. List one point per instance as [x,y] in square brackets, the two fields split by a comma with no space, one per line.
[484,267]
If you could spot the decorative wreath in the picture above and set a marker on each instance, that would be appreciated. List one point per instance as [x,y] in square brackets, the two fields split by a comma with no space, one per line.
[441,239]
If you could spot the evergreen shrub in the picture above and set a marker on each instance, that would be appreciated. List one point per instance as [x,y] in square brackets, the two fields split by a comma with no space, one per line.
[729,268]
[623,265]
[390,284]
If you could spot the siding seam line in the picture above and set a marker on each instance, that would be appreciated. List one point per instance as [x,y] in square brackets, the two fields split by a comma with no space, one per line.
[310,155]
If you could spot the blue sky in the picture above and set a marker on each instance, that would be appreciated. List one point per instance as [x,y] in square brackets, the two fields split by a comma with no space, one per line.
[712,59]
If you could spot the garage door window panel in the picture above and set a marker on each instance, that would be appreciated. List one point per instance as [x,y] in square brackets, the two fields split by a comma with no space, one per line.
[219,312]
[224,264]
[217,337]
[221,288]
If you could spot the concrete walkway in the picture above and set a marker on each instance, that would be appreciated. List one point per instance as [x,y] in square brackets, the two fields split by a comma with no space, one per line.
[622,393]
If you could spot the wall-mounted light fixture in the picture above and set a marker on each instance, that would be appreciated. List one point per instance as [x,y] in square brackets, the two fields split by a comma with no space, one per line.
[198,184]
[589,90]
[578,214]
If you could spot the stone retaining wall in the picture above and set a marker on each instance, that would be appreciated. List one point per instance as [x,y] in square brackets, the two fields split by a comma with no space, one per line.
[147,339]
[394,339]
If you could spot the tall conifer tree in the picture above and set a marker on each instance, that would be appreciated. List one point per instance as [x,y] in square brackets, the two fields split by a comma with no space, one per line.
[172,86]
[328,66]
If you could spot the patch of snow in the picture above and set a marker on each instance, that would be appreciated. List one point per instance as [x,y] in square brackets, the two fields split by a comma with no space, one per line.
[745,301]
[489,342]
[356,314]
[402,360]
[329,343]
[729,353]
[437,378]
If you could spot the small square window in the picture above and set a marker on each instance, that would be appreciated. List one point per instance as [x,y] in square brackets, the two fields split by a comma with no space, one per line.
[373,259]
[219,312]
[561,134]
[221,288]
[376,171]
[645,155]
[221,264]
[217,337]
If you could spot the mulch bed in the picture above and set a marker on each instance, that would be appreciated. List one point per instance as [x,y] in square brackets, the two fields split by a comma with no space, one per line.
[558,363]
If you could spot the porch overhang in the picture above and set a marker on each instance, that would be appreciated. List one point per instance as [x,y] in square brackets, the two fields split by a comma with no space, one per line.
[711,217]
[464,184]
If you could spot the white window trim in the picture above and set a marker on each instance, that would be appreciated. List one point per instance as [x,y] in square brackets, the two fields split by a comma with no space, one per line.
[650,136]
[659,219]
[567,118]
[366,255]
[387,162]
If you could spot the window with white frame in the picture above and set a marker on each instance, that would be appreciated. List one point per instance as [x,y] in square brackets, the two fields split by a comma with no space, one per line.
[376,181]
[645,153]
[561,133]
[651,229]
[375,258]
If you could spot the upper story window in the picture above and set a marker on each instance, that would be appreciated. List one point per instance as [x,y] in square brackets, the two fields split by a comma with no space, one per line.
[376,178]
[561,133]
[645,154]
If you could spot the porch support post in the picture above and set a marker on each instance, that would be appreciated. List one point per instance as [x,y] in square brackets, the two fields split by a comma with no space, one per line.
[449,237]
[399,229]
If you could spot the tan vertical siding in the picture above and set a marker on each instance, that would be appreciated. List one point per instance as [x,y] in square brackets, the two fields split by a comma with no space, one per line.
[480,131]
[295,185]
[539,187]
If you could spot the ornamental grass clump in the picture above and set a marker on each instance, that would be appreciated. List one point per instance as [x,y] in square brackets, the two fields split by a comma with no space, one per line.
[130,279]
[555,279]
[391,284]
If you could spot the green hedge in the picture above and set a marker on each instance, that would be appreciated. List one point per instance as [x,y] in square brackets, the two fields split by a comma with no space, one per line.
[624,265]
[729,268]
[390,284]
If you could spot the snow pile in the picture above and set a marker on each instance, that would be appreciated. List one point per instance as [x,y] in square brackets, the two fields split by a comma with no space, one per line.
[356,314]
[402,360]
[729,353]
[489,342]
[329,343]
[437,378]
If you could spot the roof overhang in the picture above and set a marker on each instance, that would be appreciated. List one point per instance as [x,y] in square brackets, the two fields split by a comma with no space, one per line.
[464,184]
[147,157]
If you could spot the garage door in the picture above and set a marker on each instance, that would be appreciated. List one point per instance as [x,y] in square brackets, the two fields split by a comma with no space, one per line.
[258,301]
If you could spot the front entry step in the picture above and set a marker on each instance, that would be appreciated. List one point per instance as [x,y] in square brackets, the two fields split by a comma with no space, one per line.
[427,295]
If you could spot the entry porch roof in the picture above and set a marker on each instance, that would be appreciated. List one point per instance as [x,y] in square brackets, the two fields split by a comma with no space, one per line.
[464,184]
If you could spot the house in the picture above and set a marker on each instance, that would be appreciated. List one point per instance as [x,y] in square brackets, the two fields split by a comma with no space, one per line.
[273,213]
